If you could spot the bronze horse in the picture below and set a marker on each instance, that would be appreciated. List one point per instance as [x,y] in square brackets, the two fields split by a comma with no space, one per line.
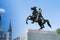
[41,22]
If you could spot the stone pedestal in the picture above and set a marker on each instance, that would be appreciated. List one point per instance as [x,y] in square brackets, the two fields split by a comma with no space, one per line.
[31,34]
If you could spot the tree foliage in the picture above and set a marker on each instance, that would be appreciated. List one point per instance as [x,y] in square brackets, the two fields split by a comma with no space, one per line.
[58,30]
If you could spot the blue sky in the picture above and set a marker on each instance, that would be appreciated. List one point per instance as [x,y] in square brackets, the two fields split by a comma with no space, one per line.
[18,10]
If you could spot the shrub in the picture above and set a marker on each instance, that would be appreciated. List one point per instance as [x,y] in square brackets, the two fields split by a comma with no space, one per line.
[58,30]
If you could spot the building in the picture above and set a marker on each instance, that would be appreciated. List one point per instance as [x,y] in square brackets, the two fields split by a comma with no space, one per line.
[18,38]
[3,35]
[31,34]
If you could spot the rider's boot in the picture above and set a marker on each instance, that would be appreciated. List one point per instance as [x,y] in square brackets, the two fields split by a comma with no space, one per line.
[36,18]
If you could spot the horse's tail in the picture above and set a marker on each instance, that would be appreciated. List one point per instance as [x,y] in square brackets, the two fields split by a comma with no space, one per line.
[48,23]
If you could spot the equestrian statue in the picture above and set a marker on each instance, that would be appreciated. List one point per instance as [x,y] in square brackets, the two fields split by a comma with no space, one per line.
[37,17]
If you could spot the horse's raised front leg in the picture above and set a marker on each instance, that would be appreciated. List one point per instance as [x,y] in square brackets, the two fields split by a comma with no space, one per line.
[48,23]
[27,20]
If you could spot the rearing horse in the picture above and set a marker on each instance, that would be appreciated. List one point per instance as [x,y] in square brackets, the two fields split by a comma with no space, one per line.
[40,21]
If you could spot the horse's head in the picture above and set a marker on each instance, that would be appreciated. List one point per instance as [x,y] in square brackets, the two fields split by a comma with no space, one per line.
[33,8]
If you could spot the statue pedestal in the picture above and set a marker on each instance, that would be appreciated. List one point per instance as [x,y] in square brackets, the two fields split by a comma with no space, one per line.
[31,34]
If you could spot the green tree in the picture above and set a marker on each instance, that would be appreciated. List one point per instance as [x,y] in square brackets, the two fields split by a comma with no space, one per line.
[58,30]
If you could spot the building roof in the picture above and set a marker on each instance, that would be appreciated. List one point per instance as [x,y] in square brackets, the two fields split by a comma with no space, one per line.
[10,29]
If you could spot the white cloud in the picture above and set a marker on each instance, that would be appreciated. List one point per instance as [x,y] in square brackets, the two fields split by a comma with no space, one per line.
[2,10]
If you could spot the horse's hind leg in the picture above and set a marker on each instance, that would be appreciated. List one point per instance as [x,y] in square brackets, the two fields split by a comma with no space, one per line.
[41,26]
[48,23]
